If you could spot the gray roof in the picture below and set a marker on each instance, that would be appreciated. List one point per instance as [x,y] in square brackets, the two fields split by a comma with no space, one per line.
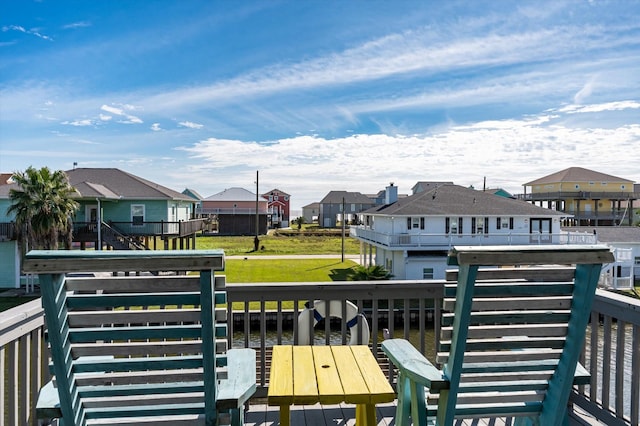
[610,234]
[448,199]
[576,174]
[335,197]
[233,194]
[114,183]
[427,185]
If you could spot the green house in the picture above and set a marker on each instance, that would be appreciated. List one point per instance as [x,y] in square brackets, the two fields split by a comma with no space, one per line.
[117,211]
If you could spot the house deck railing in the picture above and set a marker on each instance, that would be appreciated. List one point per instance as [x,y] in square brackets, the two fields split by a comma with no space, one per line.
[266,314]
[430,241]
[183,228]
[7,231]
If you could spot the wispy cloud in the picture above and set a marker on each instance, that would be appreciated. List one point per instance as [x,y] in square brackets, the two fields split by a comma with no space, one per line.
[34,32]
[122,112]
[521,150]
[74,25]
[190,125]
[79,123]
[156,127]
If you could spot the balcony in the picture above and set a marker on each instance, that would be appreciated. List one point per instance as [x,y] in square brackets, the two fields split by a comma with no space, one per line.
[7,231]
[87,231]
[444,242]
[581,195]
[260,320]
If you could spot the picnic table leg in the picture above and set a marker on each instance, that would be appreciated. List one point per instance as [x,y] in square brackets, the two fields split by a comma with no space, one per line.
[366,415]
[285,415]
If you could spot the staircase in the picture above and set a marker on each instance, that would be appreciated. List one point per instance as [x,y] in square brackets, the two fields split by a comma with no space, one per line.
[118,240]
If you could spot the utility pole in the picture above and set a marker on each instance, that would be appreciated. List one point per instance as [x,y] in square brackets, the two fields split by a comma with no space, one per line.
[256,240]
[343,227]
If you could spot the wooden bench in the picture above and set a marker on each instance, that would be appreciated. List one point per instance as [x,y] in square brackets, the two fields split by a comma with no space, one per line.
[140,348]
[511,337]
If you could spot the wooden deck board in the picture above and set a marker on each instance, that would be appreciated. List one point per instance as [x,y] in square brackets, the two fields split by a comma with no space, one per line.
[344,415]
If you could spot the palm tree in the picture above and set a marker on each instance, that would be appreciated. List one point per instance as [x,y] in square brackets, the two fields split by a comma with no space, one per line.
[43,208]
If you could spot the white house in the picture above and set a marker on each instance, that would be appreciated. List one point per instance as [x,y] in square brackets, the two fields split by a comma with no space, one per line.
[411,236]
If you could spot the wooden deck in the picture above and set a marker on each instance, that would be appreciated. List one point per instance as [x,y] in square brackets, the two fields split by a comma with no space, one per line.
[260,414]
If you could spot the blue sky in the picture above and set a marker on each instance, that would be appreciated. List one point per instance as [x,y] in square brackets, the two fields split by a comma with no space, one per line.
[321,95]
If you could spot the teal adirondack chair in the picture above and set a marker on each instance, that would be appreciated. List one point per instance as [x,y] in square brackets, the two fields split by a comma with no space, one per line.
[141,348]
[511,337]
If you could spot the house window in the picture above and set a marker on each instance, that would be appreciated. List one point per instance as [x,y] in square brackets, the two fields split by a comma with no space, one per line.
[504,223]
[137,214]
[577,186]
[427,273]
[622,186]
[415,223]
[453,226]
[478,225]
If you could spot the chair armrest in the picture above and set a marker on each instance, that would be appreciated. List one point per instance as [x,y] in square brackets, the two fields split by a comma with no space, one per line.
[240,384]
[414,365]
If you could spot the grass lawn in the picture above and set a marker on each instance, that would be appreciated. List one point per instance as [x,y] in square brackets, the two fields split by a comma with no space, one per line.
[279,244]
[254,270]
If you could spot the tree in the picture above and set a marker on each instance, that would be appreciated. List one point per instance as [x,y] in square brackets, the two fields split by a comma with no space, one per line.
[300,220]
[368,273]
[43,208]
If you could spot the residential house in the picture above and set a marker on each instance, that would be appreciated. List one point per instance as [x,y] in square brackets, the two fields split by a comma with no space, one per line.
[384,195]
[9,249]
[133,211]
[337,206]
[589,197]
[117,210]
[411,236]
[427,186]
[279,207]
[234,211]
[310,212]
[499,191]
[625,241]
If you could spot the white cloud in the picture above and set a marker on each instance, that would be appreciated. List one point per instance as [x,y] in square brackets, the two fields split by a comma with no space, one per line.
[128,118]
[156,127]
[191,125]
[74,25]
[112,110]
[507,152]
[21,29]
[105,117]
[79,123]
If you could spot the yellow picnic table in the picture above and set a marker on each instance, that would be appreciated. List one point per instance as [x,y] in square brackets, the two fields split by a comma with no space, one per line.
[328,375]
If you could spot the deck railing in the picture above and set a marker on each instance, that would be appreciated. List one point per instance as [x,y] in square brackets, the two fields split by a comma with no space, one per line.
[161,228]
[444,241]
[266,314]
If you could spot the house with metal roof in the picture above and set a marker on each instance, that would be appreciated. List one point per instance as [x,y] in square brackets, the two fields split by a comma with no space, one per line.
[411,236]
[236,211]
[589,197]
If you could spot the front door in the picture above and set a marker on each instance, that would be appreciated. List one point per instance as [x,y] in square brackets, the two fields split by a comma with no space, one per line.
[91,215]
